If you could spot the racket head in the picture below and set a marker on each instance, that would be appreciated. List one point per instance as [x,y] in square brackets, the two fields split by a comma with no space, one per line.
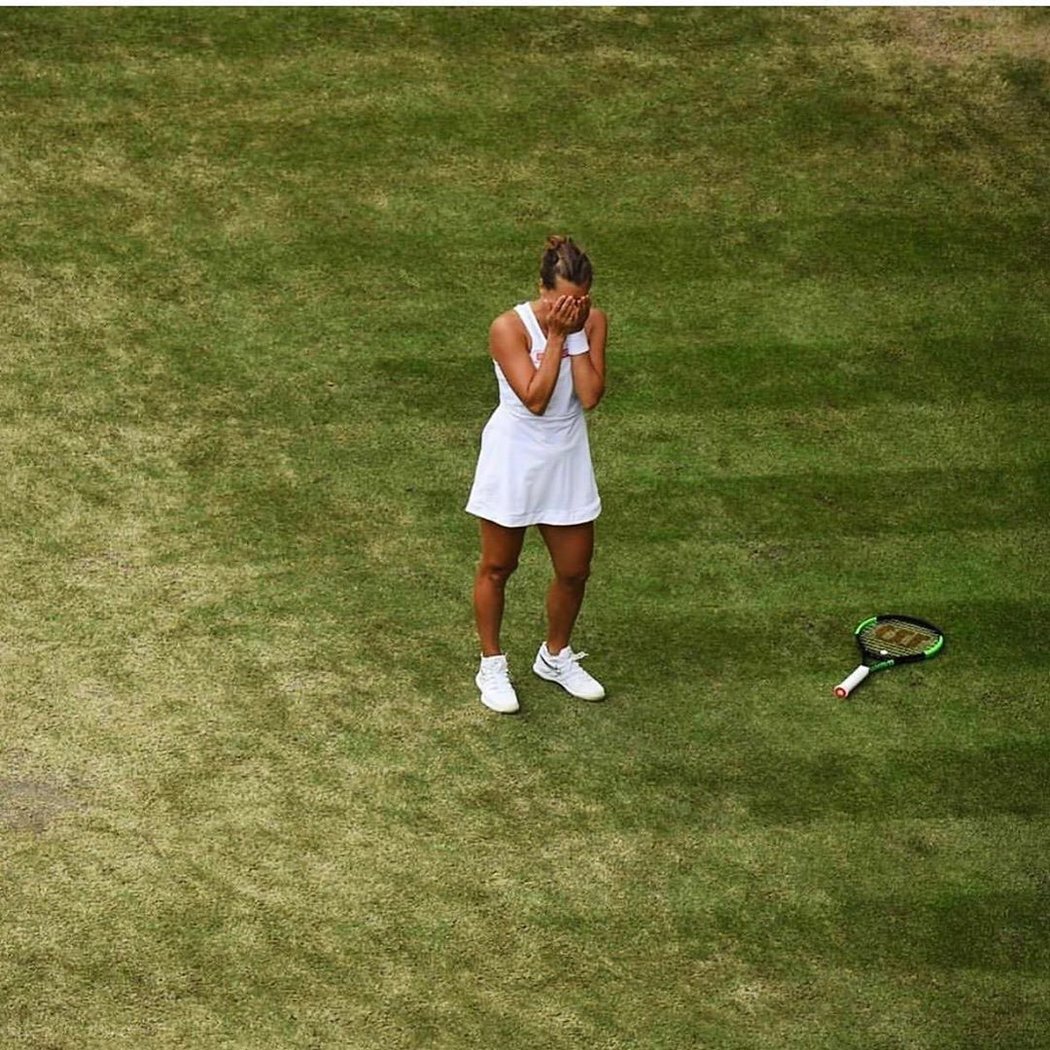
[893,638]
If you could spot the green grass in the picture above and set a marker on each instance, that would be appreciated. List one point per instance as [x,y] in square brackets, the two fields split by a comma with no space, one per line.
[248,798]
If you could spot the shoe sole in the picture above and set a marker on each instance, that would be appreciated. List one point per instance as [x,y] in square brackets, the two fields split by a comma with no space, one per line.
[501,710]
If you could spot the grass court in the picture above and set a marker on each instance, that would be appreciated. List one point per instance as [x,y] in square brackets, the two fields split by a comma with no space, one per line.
[248,797]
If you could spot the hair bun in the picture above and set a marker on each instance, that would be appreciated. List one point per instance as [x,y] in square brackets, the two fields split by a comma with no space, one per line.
[563,257]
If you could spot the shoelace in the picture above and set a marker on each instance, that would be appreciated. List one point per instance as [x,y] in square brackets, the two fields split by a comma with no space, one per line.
[570,662]
[573,658]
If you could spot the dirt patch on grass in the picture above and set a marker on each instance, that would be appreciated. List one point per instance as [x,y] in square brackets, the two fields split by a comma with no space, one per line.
[33,796]
[956,35]
[31,805]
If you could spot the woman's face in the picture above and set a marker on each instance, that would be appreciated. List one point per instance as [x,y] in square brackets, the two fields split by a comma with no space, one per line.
[564,287]
[577,292]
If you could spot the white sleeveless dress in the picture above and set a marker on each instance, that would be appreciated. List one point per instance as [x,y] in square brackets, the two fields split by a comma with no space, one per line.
[536,470]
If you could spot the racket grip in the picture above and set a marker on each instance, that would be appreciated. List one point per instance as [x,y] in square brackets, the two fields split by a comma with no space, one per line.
[847,685]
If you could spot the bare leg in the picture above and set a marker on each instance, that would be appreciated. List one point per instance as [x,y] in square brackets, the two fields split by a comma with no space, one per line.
[571,548]
[500,548]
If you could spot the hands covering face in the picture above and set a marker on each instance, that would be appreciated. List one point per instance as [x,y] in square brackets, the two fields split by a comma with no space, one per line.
[568,314]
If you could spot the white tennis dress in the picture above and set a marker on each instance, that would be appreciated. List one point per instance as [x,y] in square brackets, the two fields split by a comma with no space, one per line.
[536,470]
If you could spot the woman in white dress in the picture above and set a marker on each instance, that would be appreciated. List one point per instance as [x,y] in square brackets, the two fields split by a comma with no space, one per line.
[534,467]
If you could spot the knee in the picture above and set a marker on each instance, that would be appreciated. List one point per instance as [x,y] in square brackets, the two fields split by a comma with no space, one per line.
[573,575]
[497,572]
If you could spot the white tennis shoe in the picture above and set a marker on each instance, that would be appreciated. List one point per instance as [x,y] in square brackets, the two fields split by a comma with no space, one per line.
[493,679]
[565,669]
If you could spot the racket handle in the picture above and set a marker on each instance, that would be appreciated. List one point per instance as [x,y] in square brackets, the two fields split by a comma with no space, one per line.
[847,685]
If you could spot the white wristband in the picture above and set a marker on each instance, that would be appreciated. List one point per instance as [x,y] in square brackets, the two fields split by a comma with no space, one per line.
[576,343]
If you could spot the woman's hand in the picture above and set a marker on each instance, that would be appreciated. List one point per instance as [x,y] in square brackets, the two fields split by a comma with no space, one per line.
[564,316]
[583,309]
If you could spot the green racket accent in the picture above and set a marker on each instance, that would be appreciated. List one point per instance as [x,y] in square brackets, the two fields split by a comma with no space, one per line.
[888,640]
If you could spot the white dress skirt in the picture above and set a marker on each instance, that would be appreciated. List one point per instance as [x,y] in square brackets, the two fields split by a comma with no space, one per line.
[536,470]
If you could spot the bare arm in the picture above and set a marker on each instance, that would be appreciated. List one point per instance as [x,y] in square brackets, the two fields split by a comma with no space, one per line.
[588,370]
[509,347]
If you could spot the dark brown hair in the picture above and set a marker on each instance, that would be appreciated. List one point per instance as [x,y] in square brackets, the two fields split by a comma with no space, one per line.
[563,258]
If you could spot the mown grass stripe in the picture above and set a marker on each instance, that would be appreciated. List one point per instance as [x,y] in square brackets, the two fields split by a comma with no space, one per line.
[846,437]
[247,795]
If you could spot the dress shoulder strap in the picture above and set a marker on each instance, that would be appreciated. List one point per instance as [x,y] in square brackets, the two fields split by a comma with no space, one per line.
[537,340]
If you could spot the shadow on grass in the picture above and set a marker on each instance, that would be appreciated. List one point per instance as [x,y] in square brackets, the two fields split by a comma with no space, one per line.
[926,926]
[780,787]
[709,644]
[814,505]
[953,930]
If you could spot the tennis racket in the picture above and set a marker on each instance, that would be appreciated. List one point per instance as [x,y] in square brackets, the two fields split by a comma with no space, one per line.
[889,640]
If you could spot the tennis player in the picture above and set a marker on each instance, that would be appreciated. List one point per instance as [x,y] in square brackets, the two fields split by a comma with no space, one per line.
[534,467]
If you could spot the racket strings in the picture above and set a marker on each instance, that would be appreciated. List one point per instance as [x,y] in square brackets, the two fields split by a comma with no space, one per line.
[897,638]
